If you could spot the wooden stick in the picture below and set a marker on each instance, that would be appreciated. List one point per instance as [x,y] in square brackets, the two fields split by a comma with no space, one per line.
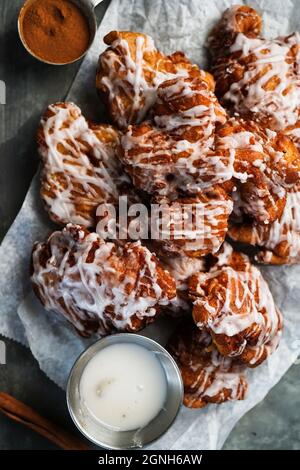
[22,413]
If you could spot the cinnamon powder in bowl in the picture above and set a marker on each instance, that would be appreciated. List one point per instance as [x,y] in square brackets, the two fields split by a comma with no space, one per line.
[54,31]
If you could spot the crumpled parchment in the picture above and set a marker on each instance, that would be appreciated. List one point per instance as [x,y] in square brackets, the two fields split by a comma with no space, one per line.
[175,25]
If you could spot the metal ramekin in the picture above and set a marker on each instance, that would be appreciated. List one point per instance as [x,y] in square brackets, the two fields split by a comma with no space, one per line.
[87,7]
[120,440]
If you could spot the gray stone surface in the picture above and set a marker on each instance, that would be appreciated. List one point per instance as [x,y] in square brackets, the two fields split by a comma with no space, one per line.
[274,424]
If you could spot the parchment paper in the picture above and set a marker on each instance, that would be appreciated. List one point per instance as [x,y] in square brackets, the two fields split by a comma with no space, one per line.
[175,25]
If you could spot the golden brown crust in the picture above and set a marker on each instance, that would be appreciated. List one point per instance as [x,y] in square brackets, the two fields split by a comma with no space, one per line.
[174,153]
[255,77]
[207,376]
[130,71]
[181,269]
[278,242]
[234,304]
[80,167]
[98,286]
[266,166]
[194,226]
[237,19]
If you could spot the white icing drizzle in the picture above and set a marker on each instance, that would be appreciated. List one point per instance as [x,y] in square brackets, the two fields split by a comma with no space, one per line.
[225,381]
[196,225]
[242,307]
[256,160]
[85,279]
[280,240]
[153,152]
[80,171]
[293,133]
[225,317]
[288,227]
[283,234]
[208,376]
[181,268]
[216,383]
[224,256]
[271,62]
[133,67]
[260,352]
[269,88]
[231,15]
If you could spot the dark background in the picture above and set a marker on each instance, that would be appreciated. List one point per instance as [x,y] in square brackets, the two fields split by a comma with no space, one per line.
[31,85]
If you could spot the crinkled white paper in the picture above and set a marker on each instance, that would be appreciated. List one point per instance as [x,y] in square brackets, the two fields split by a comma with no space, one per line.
[175,25]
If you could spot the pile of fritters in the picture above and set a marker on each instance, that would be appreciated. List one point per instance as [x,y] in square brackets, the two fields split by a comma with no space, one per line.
[225,153]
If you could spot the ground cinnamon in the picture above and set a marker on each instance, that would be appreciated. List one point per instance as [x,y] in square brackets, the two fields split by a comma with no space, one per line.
[55,30]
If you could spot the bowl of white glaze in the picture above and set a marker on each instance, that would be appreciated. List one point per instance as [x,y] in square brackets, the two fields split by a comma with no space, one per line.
[167,398]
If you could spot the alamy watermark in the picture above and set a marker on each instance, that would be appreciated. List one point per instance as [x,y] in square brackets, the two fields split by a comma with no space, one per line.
[2,353]
[2,92]
[163,221]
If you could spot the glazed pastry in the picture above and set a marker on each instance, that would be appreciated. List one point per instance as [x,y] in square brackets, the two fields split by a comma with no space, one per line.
[130,71]
[207,376]
[256,77]
[80,169]
[181,268]
[233,303]
[279,242]
[174,153]
[98,286]
[293,132]
[266,165]
[194,226]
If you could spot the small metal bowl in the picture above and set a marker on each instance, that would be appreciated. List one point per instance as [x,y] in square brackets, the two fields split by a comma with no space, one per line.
[86,6]
[120,440]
